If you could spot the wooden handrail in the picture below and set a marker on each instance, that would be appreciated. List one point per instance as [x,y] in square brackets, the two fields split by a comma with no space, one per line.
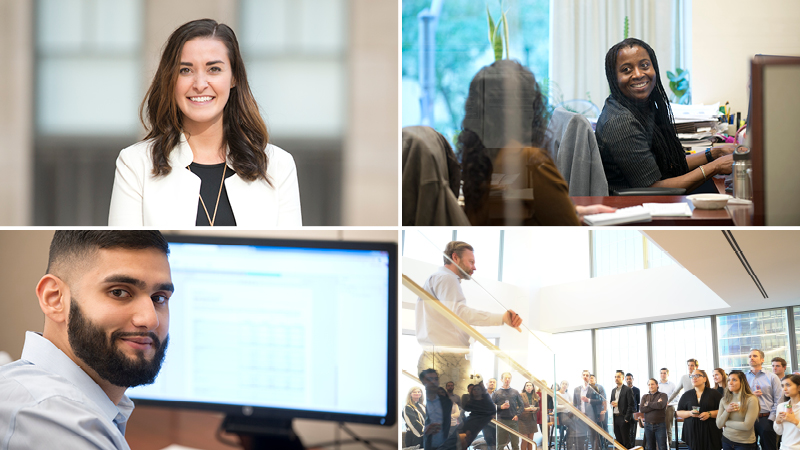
[467,328]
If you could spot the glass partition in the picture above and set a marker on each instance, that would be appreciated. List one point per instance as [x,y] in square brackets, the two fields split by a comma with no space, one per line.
[473,346]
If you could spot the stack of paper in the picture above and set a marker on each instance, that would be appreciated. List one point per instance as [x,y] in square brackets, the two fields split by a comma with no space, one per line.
[623,215]
[696,124]
[668,209]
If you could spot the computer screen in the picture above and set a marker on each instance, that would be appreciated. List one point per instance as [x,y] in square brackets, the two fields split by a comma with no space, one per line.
[282,329]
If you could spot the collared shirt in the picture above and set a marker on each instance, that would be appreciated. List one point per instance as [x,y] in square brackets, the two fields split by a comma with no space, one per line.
[584,393]
[771,391]
[615,398]
[668,388]
[435,416]
[433,329]
[48,401]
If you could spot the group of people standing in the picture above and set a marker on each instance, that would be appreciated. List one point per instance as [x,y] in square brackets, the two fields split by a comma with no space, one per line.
[518,410]
[748,408]
[742,411]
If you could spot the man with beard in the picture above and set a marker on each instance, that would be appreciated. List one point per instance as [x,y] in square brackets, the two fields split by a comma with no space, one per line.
[445,346]
[105,300]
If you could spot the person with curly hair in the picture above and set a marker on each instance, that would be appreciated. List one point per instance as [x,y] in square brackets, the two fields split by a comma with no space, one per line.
[502,136]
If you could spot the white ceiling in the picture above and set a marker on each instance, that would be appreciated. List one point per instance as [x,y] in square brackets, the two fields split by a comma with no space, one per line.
[773,255]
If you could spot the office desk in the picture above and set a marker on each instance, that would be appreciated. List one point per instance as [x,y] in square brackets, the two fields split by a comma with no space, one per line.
[739,215]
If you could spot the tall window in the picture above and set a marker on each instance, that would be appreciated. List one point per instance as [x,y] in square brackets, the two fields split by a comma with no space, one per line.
[622,251]
[88,53]
[764,330]
[426,245]
[90,80]
[573,355]
[621,348]
[676,341]
[295,56]
[461,48]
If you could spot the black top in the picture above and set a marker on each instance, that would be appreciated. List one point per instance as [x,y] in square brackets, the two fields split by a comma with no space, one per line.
[701,434]
[210,179]
[624,145]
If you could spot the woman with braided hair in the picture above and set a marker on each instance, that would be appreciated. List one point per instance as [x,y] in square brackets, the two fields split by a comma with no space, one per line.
[635,131]
[502,132]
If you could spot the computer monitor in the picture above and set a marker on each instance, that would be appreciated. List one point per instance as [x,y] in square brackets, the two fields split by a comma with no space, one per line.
[775,99]
[264,329]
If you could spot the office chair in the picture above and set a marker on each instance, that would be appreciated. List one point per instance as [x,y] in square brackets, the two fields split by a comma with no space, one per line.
[431,179]
[573,146]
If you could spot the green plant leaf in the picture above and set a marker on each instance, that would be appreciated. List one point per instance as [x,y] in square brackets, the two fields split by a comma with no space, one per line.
[505,33]
[498,45]
[491,25]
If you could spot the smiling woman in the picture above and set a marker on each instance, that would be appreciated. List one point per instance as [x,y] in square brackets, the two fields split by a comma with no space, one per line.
[206,159]
[635,132]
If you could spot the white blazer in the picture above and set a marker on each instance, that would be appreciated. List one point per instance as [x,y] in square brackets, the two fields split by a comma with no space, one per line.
[141,199]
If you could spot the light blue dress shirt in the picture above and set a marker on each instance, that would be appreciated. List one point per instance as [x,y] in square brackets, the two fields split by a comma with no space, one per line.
[771,391]
[47,401]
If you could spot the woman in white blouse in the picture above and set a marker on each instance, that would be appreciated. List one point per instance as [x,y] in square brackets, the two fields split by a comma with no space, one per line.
[788,414]
[206,159]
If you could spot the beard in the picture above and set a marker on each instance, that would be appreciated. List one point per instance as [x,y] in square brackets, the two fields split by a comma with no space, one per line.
[99,351]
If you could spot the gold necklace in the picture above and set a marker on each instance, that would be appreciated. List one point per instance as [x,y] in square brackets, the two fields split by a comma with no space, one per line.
[219,194]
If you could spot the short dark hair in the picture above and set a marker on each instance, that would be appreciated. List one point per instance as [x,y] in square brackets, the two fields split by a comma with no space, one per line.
[780,360]
[664,368]
[72,245]
[620,371]
[456,247]
[694,361]
[629,375]
[426,372]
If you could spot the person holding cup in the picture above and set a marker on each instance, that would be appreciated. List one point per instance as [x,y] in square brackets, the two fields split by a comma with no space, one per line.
[737,414]
[696,407]
[787,420]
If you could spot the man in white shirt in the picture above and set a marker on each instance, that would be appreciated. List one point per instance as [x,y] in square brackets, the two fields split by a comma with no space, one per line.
[105,301]
[668,387]
[445,346]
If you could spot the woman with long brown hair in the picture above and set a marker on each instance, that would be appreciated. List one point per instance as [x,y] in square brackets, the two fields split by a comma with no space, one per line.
[737,415]
[206,159]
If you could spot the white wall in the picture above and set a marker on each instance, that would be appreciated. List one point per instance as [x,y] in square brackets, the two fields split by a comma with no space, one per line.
[660,293]
[727,34]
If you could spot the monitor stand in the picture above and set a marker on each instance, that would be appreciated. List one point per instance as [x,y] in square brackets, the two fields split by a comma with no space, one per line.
[260,433]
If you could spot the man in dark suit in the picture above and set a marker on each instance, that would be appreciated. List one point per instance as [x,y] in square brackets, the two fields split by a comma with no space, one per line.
[636,400]
[437,433]
[621,401]
[588,401]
